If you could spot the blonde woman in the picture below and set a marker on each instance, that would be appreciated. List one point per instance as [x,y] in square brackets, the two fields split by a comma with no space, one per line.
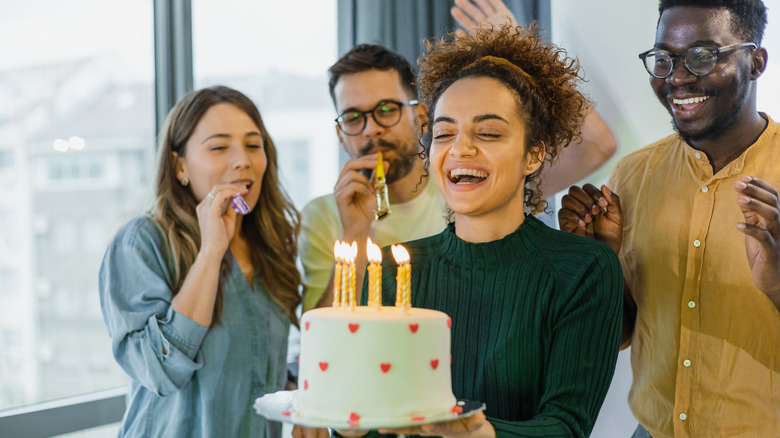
[198,298]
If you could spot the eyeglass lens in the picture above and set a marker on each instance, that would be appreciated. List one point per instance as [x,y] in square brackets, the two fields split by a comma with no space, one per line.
[386,114]
[698,60]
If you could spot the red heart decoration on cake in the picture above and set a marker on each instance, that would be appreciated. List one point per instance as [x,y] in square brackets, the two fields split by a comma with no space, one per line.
[323,366]
[385,367]
[285,413]
[449,322]
[305,384]
[434,363]
[457,410]
[353,417]
[307,325]
[353,327]
[414,327]
[416,419]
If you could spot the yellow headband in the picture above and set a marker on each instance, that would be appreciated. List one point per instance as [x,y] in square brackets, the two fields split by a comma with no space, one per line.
[503,62]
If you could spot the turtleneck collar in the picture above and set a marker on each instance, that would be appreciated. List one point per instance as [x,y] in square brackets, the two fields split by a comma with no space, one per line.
[519,243]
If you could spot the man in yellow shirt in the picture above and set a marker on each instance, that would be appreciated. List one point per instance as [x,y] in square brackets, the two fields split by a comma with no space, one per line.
[695,218]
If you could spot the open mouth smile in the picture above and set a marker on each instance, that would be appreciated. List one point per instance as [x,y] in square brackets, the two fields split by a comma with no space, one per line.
[467,176]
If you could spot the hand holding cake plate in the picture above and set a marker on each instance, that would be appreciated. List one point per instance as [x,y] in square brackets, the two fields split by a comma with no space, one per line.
[278,406]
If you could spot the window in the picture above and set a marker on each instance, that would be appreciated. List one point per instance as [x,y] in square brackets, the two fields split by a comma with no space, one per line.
[278,55]
[76,100]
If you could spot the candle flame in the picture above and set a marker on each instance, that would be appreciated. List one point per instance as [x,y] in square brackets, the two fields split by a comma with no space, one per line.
[337,253]
[350,252]
[400,254]
[373,252]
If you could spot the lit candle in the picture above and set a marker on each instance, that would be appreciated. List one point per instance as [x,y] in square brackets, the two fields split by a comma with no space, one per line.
[374,275]
[344,274]
[351,264]
[403,277]
[337,274]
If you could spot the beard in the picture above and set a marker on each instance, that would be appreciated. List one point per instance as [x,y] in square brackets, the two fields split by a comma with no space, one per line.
[721,123]
[401,162]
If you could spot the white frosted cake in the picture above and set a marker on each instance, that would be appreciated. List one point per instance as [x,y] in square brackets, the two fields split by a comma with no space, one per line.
[383,366]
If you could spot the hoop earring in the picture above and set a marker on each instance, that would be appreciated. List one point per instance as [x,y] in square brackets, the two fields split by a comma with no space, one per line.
[185,182]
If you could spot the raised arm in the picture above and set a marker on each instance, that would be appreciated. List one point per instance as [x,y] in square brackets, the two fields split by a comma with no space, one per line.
[580,158]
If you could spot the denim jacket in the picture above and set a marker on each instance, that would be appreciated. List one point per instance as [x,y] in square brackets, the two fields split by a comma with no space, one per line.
[187,380]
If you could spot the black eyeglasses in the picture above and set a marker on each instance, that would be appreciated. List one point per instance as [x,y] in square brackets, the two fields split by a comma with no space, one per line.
[700,61]
[386,113]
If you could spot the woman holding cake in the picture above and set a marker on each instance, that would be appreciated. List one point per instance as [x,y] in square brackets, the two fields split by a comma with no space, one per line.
[536,312]
[197,297]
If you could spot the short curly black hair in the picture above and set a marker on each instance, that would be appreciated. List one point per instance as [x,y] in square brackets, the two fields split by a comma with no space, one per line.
[748,17]
[546,85]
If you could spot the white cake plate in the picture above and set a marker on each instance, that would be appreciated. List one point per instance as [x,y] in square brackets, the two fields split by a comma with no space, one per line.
[278,406]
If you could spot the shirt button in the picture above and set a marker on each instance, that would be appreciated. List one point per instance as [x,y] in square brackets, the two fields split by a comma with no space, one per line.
[683,416]
[686,362]
[705,189]
[698,155]
[696,243]
[691,304]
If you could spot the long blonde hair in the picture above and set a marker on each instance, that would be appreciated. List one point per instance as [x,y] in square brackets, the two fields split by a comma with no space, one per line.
[271,228]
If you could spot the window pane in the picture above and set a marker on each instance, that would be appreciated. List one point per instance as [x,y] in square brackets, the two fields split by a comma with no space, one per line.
[278,54]
[76,147]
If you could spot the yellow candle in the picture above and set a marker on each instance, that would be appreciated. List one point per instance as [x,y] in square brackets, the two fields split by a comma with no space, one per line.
[337,284]
[337,274]
[374,274]
[352,268]
[344,275]
[402,276]
[407,285]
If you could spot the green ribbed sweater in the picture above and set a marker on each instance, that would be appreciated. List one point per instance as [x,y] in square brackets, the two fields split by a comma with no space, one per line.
[536,323]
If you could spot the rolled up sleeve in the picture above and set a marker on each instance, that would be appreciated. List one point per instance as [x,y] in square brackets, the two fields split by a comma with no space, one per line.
[157,346]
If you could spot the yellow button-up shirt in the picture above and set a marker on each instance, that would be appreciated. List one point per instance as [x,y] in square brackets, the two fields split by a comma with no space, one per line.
[705,351]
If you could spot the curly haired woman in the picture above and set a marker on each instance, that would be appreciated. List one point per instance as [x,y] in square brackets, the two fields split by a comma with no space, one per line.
[536,312]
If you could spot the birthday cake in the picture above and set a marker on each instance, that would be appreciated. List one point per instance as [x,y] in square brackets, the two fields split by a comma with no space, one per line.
[385,365]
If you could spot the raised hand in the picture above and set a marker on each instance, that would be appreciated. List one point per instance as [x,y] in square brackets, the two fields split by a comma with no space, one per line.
[216,220]
[355,198]
[593,213]
[481,13]
[760,206]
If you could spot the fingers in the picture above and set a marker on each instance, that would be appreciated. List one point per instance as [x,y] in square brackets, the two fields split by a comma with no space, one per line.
[458,426]
[309,432]
[613,209]
[367,162]
[220,196]
[353,182]
[467,14]
[585,202]
[760,205]
[489,7]
[415,430]
[351,433]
